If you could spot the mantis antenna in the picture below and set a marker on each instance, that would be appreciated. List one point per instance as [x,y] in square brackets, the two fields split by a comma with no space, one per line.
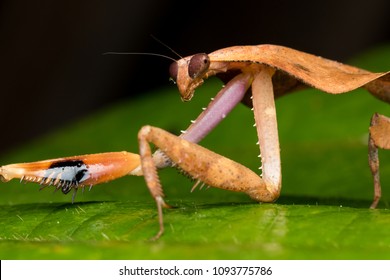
[152,54]
[140,53]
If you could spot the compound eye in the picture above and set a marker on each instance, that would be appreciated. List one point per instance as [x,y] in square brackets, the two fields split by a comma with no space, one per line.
[173,68]
[198,65]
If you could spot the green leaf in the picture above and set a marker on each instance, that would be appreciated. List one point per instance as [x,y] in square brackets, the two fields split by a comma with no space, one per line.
[322,212]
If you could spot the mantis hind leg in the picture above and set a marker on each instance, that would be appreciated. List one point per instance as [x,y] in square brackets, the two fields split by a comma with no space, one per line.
[378,138]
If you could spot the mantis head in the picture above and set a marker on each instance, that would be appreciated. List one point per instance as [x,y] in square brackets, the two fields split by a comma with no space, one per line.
[189,73]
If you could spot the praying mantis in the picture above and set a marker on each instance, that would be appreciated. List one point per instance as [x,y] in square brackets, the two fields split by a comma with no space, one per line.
[254,76]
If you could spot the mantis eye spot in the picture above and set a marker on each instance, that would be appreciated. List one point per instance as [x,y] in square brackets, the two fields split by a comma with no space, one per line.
[199,64]
[173,68]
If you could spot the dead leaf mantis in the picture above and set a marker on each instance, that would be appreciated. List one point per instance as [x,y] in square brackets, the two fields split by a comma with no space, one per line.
[255,76]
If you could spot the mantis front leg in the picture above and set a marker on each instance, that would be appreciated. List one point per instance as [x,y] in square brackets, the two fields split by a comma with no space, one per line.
[211,168]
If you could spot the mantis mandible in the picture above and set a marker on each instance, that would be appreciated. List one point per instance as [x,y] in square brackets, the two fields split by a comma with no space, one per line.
[255,76]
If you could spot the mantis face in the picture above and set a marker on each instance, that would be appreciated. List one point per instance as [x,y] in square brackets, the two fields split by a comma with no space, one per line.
[190,72]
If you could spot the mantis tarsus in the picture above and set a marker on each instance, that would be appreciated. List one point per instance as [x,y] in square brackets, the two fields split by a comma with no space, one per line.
[255,76]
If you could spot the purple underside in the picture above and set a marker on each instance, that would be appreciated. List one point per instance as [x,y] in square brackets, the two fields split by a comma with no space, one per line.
[218,108]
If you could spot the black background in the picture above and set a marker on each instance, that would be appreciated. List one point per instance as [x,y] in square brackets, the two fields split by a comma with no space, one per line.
[53,70]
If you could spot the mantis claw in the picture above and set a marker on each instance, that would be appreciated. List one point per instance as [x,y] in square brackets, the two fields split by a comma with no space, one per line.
[160,205]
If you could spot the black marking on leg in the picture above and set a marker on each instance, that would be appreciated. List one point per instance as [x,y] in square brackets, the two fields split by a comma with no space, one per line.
[80,175]
[67,163]
[67,187]
[66,175]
